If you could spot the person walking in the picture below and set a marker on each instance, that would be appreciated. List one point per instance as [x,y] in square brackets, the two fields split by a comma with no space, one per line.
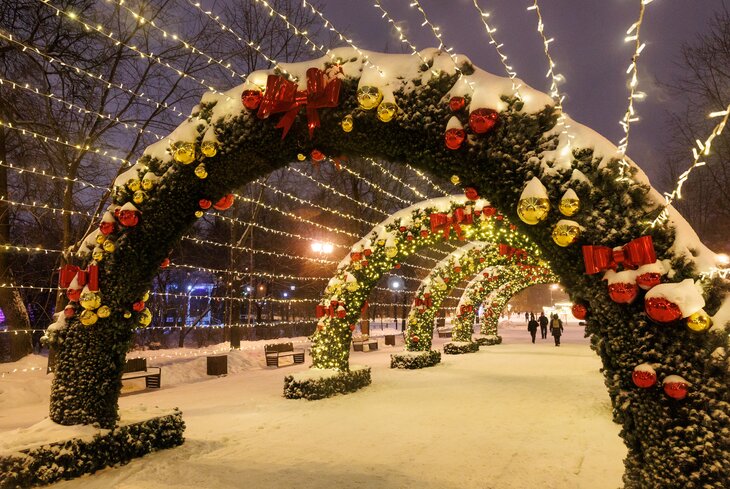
[532,327]
[543,320]
[556,328]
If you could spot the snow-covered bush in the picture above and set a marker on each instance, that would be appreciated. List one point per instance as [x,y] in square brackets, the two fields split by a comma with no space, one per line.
[320,383]
[414,360]
[460,347]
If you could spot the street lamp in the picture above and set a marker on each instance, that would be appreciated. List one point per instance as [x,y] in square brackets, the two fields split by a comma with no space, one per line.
[322,248]
[396,285]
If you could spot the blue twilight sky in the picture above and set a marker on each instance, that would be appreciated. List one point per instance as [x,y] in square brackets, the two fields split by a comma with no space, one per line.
[589,50]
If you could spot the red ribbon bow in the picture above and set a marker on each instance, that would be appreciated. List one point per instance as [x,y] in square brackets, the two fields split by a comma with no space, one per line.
[89,277]
[444,222]
[281,95]
[637,252]
[510,252]
[427,302]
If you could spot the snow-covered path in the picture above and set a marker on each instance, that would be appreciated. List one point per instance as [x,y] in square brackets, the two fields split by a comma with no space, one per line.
[516,415]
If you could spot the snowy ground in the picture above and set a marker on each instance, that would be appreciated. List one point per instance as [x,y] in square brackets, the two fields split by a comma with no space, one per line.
[516,415]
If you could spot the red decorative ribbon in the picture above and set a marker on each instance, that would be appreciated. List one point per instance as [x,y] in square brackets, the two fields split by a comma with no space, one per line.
[281,95]
[639,251]
[323,311]
[426,302]
[89,277]
[465,308]
[510,252]
[444,222]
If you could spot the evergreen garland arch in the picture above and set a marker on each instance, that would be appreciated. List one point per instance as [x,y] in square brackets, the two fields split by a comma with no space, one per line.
[671,443]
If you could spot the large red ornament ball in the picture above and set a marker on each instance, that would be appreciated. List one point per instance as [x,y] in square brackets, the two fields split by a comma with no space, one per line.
[457,103]
[224,203]
[471,193]
[251,99]
[483,120]
[367,252]
[69,311]
[205,204]
[128,218]
[317,155]
[648,280]
[107,228]
[397,266]
[661,310]
[579,311]
[138,306]
[414,339]
[623,293]
[675,387]
[643,376]
[73,294]
[165,263]
[454,138]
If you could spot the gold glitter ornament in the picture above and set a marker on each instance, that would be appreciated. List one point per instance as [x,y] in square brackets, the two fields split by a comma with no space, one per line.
[566,233]
[133,184]
[109,246]
[301,156]
[89,300]
[146,296]
[209,148]
[97,254]
[347,123]
[391,251]
[198,214]
[369,97]
[88,317]
[139,197]
[148,184]
[145,317]
[386,111]
[184,153]
[699,322]
[100,238]
[200,171]
[455,179]
[533,210]
[127,314]
[103,312]
[569,203]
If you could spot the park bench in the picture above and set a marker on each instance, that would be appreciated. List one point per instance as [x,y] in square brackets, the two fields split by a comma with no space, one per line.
[277,350]
[443,333]
[358,344]
[136,368]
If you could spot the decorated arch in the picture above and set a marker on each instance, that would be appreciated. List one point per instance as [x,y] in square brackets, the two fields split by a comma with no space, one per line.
[450,121]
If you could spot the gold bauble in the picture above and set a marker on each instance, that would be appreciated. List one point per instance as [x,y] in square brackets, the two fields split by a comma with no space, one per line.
[352,286]
[347,123]
[127,314]
[87,317]
[103,312]
[89,300]
[386,111]
[455,179]
[441,286]
[565,234]
[146,296]
[391,251]
[369,97]
[201,172]
[301,156]
[109,246]
[148,184]
[145,317]
[568,207]
[699,322]
[380,242]
[139,197]
[209,149]
[198,214]
[100,238]
[184,153]
[133,184]
[356,266]
[97,254]
[533,209]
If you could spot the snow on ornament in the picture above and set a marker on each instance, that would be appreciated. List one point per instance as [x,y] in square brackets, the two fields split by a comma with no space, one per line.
[341,312]
[108,224]
[128,215]
[224,202]
[457,103]
[351,283]
[622,286]
[650,275]
[69,311]
[369,97]
[88,299]
[566,232]
[534,205]
[133,184]
[699,322]
[579,311]
[672,301]
[73,293]
[569,203]
[149,180]
[644,376]
[482,121]
[251,99]
[675,387]
[139,197]
[455,134]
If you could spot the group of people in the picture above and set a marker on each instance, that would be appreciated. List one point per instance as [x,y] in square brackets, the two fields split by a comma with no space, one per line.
[556,326]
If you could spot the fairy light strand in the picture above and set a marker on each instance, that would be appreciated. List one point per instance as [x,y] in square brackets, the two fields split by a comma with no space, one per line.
[375,186]
[42,173]
[430,182]
[277,254]
[397,179]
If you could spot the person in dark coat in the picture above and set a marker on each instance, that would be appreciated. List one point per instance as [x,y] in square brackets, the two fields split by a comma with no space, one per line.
[532,327]
[556,328]
[543,320]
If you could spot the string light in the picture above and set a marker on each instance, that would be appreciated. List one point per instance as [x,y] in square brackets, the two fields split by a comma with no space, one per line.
[702,149]
[258,251]
[42,173]
[394,177]
[423,177]
[149,56]
[375,186]
[511,73]
[632,35]
[46,207]
[245,273]
[93,76]
[29,249]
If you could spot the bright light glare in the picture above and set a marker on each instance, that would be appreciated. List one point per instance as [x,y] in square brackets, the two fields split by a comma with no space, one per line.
[327,248]
[723,259]
[317,246]
[555,286]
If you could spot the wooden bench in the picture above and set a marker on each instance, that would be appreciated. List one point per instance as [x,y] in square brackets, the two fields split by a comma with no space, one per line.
[444,333]
[275,351]
[357,345]
[136,368]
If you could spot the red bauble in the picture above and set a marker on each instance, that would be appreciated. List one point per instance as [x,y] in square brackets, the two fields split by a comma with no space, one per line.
[457,269]
[367,252]
[414,339]
[579,311]
[481,259]
[224,203]
[661,310]
[648,280]
[138,306]
[165,263]
[447,280]
[471,193]
[402,229]
[675,387]
[356,256]
[427,295]
[483,120]
[454,138]
[73,294]
[352,327]
[623,293]
[129,218]
[205,204]
[117,211]
[397,266]
[341,313]
[643,376]
[107,228]
[69,311]
[457,103]
[251,99]
[424,233]
[489,211]
[364,263]
[317,155]
[409,237]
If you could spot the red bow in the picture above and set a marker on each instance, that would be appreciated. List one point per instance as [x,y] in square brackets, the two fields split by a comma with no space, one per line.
[427,302]
[465,308]
[510,252]
[281,95]
[323,310]
[89,277]
[639,251]
[444,222]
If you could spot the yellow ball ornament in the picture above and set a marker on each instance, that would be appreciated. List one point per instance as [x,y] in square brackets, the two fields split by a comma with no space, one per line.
[146,296]
[441,286]
[369,97]
[100,238]
[533,210]
[139,197]
[357,265]
[455,179]
[133,184]
[347,123]
[184,153]
[104,312]
[352,286]
[386,111]
[198,214]
[89,300]
[109,246]
[699,322]
[97,254]
[201,172]
[145,317]
[380,242]
[148,184]
[301,156]
[391,251]
[569,203]
[88,317]
[127,314]
[209,149]
[566,233]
